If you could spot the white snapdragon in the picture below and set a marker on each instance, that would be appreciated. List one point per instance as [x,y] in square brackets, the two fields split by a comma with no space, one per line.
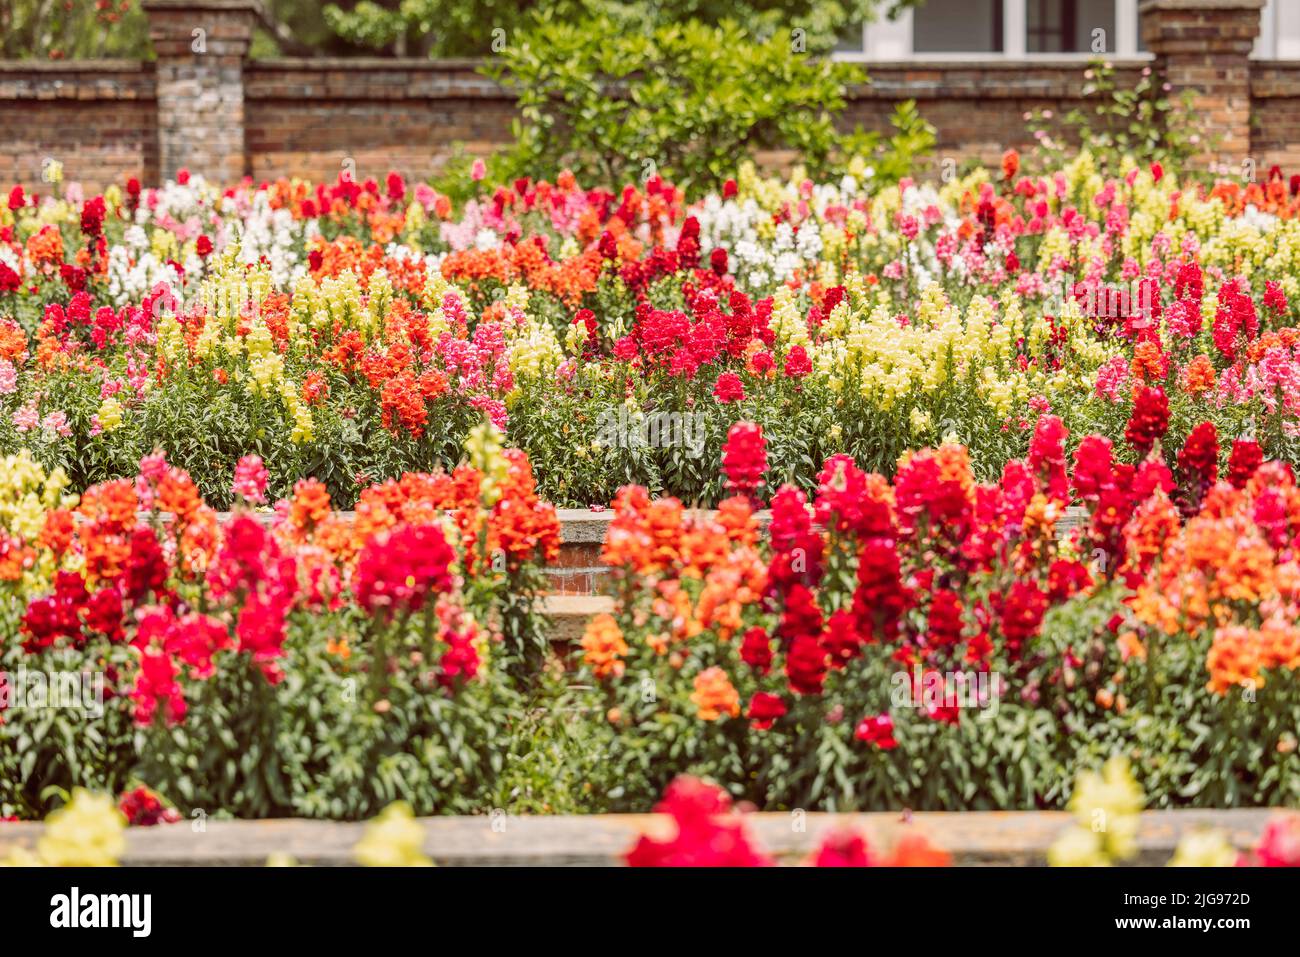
[406,254]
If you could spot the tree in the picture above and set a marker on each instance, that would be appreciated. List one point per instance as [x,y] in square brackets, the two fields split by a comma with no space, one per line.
[445,28]
[686,101]
[88,29]
[59,30]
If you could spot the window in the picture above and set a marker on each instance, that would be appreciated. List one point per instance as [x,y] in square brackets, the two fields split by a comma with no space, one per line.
[1279,31]
[1013,29]
[1070,26]
[957,26]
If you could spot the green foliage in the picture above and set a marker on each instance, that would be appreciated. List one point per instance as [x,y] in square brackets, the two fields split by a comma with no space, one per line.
[456,181]
[683,101]
[891,157]
[337,739]
[452,28]
[40,29]
[359,719]
[331,742]
[437,28]
[1188,747]
[64,31]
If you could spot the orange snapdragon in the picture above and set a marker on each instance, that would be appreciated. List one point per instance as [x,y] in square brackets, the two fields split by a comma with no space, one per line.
[714,695]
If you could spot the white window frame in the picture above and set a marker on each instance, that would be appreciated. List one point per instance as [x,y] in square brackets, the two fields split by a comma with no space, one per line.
[884,40]
[1279,31]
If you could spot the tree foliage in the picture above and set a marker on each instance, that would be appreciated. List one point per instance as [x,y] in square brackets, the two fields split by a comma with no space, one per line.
[481,27]
[683,100]
[53,30]
[89,29]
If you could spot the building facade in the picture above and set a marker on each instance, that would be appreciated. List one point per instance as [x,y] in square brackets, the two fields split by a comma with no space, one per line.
[1038,29]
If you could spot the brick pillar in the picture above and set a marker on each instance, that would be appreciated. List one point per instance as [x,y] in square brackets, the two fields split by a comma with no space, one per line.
[1204,45]
[201,46]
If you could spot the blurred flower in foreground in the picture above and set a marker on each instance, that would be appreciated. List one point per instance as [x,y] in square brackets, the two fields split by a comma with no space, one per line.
[708,833]
[1106,806]
[1204,848]
[847,849]
[88,831]
[394,839]
[1279,845]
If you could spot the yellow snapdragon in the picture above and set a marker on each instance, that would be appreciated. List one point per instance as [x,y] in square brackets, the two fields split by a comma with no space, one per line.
[484,446]
[110,414]
[1106,807]
[88,831]
[788,323]
[534,350]
[393,839]
[1204,848]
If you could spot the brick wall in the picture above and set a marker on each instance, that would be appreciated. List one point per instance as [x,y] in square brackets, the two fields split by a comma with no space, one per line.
[308,117]
[96,117]
[216,112]
[1275,114]
[977,107]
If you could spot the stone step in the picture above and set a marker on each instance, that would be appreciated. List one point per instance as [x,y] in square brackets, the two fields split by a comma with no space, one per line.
[1011,838]
[569,614]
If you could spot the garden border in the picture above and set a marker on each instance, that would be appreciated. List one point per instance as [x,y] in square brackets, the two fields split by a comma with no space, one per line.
[973,838]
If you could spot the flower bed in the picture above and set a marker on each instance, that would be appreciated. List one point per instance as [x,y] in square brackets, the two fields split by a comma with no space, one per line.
[318,666]
[357,331]
[926,641]
[917,381]
[933,643]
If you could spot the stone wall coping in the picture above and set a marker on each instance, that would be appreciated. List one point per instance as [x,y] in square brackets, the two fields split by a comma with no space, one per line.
[1045,77]
[580,607]
[55,67]
[385,64]
[1200,5]
[463,64]
[1001,65]
[1004,64]
[1008,838]
[252,6]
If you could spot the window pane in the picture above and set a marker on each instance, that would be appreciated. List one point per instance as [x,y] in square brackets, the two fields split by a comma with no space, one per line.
[1093,15]
[1067,26]
[957,26]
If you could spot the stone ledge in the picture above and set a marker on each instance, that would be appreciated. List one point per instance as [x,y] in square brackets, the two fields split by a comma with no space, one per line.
[75,66]
[980,838]
[568,616]
[383,64]
[212,6]
[1201,5]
